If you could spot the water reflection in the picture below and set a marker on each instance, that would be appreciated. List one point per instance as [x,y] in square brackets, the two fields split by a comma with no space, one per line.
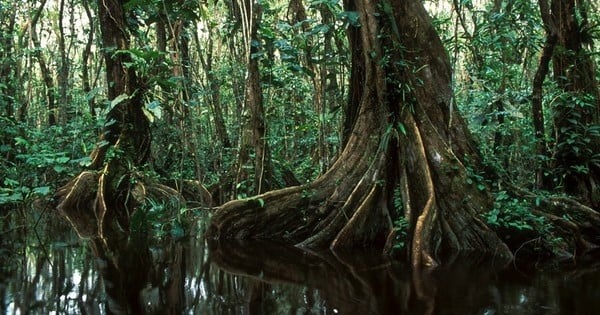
[54,274]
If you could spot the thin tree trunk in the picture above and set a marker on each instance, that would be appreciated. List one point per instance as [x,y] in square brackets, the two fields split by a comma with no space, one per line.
[86,59]
[63,70]
[48,80]
[7,64]
[537,96]
[263,170]
[46,72]
[253,133]
[214,86]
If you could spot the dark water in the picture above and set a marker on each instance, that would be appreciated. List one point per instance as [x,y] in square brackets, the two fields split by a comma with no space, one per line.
[47,269]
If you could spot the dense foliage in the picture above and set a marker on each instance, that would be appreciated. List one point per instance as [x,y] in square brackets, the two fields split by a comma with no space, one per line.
[191,57]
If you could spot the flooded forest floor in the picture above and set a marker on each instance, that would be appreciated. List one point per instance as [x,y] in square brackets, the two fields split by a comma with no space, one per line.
[45,268]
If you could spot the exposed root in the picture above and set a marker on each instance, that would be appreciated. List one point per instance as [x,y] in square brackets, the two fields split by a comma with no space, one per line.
[574,227]
[77,203]
[366,227]
[95,209]
[421,240]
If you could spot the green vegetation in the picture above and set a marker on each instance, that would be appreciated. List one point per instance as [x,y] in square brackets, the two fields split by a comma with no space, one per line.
[192,76]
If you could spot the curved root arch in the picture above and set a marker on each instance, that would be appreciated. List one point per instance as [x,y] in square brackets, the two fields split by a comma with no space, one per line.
[95,213]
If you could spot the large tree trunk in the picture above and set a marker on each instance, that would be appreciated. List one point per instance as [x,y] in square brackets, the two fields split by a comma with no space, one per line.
[403,135]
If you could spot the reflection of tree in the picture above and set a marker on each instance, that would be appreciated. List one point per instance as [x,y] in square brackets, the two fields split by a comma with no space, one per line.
[261,278]
[352,283]
[124,267]
[141,275]
[138,281]
[42,281]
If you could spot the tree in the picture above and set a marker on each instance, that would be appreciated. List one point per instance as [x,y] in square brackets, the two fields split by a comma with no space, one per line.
[7,63]
[46,72]
[86,59]
[577,114]
[125,143]
[254,131]
[407,156]
[116,185]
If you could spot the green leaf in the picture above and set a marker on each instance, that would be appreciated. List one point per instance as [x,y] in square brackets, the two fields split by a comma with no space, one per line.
[10,182]
[352,17]
[119,99]
[401,128]
[84,161]
[59,168]
[21,141]
[322,28]
[91,94]
[62,160]
[43,190]
[261,202]
[153,110]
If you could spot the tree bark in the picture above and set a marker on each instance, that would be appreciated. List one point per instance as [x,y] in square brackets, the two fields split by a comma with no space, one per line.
[63,69]
[401,134]
[126,120]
